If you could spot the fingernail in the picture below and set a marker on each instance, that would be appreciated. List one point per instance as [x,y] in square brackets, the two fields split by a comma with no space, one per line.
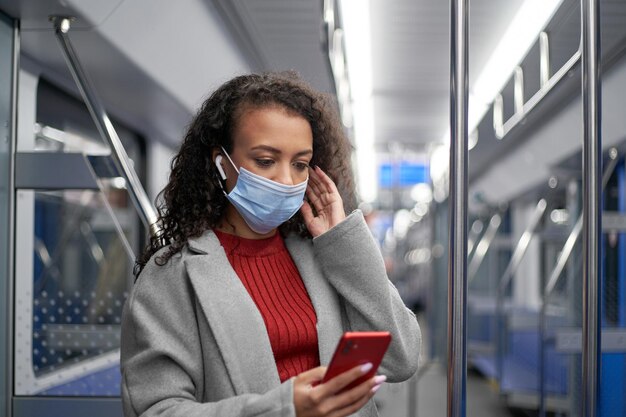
[380,379]
[365,368]
[376,387]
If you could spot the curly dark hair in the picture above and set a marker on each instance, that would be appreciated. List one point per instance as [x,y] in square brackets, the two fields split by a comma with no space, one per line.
[193,201]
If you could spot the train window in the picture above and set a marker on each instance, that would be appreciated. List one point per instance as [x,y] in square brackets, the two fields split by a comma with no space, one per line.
[76,240]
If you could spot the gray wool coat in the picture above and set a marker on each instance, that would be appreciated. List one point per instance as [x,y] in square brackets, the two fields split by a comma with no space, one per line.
[194,343]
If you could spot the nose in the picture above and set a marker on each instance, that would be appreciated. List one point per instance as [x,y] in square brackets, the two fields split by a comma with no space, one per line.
[284,175]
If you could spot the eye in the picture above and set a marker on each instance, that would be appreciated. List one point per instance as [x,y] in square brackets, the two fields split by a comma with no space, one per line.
[301,166]
[264,163]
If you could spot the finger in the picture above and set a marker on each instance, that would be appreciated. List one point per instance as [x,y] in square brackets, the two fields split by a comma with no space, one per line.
[312,375]
[307,213]
[352,408]
[352,400]
[326,181]
[339,382]
[317,181]
[316,186]
[315,199]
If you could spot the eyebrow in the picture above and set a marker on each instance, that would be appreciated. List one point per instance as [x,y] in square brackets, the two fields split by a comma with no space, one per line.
[278,151]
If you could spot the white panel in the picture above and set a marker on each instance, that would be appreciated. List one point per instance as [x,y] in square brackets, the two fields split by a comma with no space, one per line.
[26,110]
[183,45]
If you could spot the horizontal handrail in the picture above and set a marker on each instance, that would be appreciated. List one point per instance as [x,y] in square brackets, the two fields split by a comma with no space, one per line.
[105,127]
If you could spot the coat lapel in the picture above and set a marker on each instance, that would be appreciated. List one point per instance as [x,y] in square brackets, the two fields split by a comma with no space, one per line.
[323,297]
[235,321]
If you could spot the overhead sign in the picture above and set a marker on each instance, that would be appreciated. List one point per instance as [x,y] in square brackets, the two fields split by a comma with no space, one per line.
[402,174]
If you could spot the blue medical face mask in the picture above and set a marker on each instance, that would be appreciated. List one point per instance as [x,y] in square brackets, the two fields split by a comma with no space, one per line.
[264,204]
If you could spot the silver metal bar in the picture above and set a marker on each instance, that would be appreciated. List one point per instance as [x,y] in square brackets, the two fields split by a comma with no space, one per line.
[570,340]
[95,250]
[105,127]
[483,246]
[613,221]
[539,95]
[522,245]
[544,59]
[608,170]
[9,296]
[474,234]
[498,116]
[457,272]
[563,258]
[592,205]
[518,90]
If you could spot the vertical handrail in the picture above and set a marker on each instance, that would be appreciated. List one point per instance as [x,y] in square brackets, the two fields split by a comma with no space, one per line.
[457,270]
[507,277]
[105,127]
[592,193]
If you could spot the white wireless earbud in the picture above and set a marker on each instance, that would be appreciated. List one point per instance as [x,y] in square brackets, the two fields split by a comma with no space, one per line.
[218,164]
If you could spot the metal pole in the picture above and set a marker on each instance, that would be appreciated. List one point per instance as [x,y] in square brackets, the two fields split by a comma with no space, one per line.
[105,127]
[457,272]
[592,220]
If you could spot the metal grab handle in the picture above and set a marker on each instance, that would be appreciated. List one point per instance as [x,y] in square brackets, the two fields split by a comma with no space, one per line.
[592,194]
[105,127]
[457,273]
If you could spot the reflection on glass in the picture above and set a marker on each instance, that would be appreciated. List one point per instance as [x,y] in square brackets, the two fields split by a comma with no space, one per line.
[81,278]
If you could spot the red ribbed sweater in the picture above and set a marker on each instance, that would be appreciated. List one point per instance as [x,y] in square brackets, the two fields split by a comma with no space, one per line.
[274,283]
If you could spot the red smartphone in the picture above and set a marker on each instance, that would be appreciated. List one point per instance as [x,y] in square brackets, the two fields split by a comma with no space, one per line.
[358,348]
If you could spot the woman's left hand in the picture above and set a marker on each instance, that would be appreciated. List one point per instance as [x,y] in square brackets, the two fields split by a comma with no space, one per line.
[323,196]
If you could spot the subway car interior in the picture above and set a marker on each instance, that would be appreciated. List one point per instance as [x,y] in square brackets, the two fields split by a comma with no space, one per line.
[95,97]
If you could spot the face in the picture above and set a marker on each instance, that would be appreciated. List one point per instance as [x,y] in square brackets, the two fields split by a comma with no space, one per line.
[272,143]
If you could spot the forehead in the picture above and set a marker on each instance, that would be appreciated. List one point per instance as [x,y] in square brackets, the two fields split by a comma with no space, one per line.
[274,126]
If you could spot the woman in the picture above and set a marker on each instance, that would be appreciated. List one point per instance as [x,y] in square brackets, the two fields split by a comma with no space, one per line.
[254,288]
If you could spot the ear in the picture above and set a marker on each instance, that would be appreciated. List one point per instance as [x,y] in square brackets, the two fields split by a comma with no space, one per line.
[218,165]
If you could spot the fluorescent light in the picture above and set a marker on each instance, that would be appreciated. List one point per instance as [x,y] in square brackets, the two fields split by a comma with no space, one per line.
[355,16]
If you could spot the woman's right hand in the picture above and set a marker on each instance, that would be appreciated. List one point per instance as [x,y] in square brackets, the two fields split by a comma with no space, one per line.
[327,400]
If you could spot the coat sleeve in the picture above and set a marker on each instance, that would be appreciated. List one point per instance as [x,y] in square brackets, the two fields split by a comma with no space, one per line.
[351,261]
[161,357]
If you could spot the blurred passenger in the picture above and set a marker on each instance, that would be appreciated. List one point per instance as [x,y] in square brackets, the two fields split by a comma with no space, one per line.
[249,286]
